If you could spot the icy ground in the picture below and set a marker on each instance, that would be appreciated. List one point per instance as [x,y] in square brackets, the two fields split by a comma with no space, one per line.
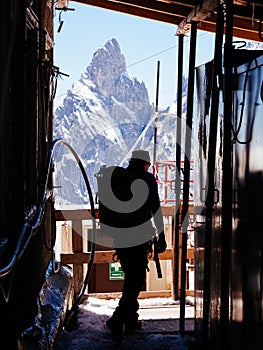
[160,327]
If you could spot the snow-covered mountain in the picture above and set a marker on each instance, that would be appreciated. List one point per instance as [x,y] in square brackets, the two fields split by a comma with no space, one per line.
[104,117]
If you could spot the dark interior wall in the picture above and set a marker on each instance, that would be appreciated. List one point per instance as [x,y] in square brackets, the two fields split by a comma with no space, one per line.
[26,132]
[245,277]
[12,117]
[247,238]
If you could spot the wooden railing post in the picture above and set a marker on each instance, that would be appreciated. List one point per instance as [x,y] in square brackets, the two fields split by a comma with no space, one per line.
[77,247]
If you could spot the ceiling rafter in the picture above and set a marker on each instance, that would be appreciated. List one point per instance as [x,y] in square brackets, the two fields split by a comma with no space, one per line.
[143,8]
[247,16]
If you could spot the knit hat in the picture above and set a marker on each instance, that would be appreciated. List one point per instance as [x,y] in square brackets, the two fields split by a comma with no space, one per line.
[141,154]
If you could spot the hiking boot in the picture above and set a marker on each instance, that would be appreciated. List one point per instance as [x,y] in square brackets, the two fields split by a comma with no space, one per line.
[131,327]
[116,327]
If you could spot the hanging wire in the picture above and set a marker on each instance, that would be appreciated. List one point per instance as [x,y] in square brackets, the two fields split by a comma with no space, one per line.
[34,218]
[241,116]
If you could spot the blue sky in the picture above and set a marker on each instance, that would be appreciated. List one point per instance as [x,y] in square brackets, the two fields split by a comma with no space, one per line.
[143,42]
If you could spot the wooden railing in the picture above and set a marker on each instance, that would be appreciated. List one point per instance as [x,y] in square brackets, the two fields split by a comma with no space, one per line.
[78,257]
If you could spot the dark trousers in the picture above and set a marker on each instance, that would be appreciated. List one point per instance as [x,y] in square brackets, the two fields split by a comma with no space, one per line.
[134,263]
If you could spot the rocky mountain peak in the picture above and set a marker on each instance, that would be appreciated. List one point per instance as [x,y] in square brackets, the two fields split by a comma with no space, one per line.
[106,67]
[102,117]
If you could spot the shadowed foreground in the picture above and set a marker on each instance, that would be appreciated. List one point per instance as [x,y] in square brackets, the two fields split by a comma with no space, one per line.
[160,326]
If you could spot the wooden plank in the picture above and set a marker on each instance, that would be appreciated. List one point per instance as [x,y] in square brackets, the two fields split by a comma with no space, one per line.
[77,242]
[85,214]
[66,238]
[190,253]
[143,294]
[168,210]
[102,257]
[78,214]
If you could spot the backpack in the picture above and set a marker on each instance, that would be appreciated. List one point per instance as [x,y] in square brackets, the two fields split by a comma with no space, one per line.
[114,192]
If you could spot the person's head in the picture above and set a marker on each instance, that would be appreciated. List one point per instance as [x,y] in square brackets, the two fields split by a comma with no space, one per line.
[141,159]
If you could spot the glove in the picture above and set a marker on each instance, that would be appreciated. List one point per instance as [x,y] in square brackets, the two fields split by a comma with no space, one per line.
[161,243]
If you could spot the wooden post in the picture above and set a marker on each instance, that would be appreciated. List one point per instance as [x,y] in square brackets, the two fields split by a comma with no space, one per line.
[66,238]
[77,247]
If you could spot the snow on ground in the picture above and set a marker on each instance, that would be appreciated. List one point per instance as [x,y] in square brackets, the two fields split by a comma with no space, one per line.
[160,326]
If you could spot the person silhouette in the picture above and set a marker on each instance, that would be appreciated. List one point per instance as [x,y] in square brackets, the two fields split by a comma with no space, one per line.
[134,258]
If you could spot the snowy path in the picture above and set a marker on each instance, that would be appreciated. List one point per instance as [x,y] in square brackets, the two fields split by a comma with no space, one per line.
[160,325]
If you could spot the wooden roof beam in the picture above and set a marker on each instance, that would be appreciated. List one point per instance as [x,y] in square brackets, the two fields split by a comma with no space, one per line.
[170,8]
[201,12]
[167,13]
[246,18]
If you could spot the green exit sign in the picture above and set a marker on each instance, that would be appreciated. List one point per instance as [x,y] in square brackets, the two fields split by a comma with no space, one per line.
[116,272]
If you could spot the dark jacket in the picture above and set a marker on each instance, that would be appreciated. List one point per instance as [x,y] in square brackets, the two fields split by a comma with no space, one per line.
[151,203]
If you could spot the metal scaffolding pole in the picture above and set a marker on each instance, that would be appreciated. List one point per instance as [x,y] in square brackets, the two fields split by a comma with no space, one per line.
[227,180]
[188,143]
[176,225]
[210,200]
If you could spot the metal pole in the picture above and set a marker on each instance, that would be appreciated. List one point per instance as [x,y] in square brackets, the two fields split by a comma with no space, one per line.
[227,180]
[188,136]
[156,117]
[178,166]
[217,74]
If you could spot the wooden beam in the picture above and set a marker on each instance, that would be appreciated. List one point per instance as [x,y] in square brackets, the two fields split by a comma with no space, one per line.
[201,12]
[77,247]
[181,13]
[159,11]
[85,214]
[176,8]
[142,295]
[102,257]
[205,14]
[78,214]
[168,210]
